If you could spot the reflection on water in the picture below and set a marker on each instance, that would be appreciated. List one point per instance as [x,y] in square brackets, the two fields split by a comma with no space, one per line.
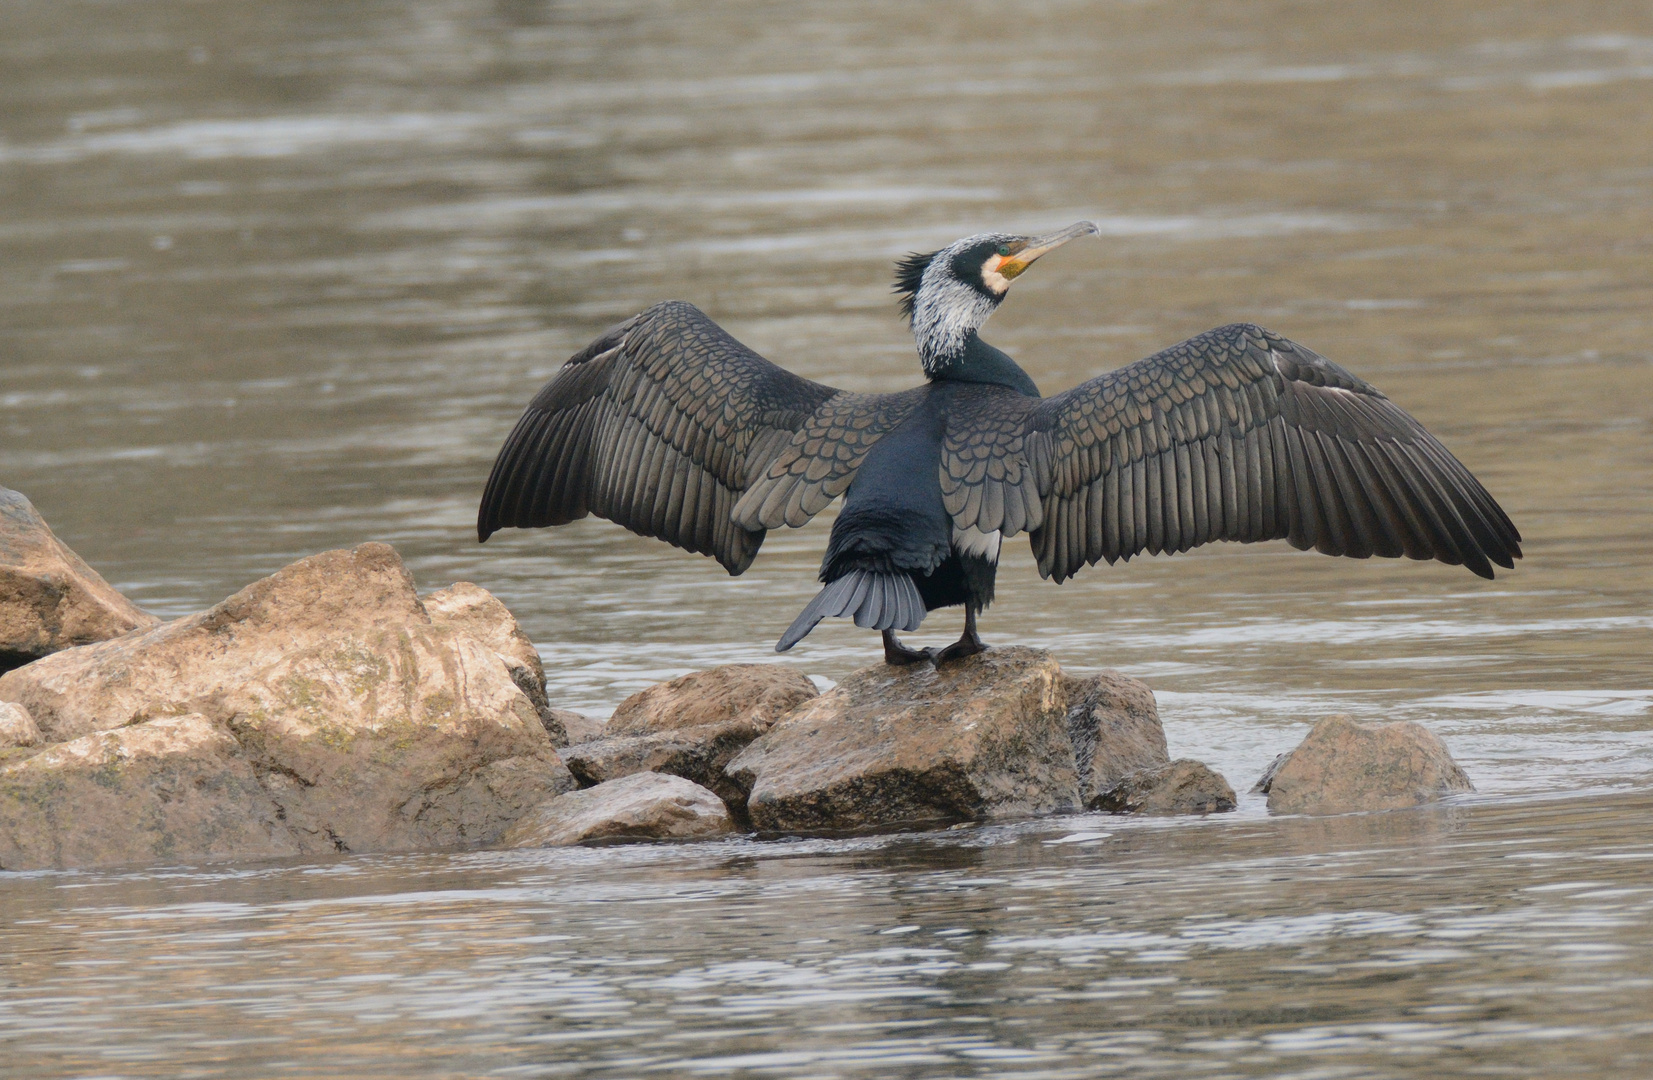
[277,277]
[1450,942]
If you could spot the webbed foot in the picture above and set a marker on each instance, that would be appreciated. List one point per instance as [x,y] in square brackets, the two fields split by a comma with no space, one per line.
[898,654]
[969,645]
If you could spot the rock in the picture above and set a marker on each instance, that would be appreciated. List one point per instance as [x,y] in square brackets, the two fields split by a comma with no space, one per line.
[370,725]
[16,726]
[699,754]
[580,727]
[758,694]
[985,737]
[1114,724]
[693,726]
[49,598]
[1344,767]
[642,806]
[179,787]
[1183,786]
[480,613]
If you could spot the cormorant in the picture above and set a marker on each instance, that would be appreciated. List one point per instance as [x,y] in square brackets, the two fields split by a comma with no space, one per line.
[667,425]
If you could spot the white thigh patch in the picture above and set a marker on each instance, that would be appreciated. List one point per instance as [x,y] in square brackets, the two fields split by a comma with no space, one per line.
[973,541]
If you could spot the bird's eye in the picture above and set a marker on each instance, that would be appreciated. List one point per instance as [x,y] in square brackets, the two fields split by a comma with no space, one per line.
[1003,251]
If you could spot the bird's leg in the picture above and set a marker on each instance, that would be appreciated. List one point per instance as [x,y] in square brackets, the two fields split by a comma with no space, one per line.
[968,643]
[898,654]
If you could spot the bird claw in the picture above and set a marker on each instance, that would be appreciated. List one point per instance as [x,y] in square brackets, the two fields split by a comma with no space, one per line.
[958,650]
[899,655]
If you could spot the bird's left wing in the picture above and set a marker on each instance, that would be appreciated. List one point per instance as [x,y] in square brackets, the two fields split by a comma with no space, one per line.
[1239,434]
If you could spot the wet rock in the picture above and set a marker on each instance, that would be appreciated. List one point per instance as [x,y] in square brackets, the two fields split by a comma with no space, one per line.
[1183,786]
[479,613]
[1344,767]
[1114,725]
[984,737]
[579,727]
[49,598]
[757,694]
[179,787]
[692,726]
[16,727]
[370,724]
[642,806]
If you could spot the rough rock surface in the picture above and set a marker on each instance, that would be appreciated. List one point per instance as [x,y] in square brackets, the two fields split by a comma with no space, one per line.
[579,727]
[368,721]
[16,727]
[1183,786]
[642,806]
[758,694]
[1343,767]
[693,726]
[177,787]
[49,598]
[1115,728]
[983,737]
[478,612]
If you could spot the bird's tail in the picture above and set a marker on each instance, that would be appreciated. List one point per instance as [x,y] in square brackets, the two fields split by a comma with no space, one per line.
[881,601]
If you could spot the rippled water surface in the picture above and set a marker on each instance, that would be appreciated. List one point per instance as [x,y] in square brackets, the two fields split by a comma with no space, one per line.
[277,277]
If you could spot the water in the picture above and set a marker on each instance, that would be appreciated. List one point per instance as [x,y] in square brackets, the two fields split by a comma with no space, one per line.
[279,277]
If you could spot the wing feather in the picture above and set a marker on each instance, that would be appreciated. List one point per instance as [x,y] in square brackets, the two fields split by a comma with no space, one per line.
[661,425]
[1239,434]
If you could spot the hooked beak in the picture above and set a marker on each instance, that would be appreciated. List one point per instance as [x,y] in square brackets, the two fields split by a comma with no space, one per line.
[1036,246]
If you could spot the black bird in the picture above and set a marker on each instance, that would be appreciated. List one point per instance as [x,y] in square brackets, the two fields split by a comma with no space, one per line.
[667,425]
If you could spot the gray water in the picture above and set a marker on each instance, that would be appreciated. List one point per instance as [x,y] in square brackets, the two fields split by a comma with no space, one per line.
[278,277]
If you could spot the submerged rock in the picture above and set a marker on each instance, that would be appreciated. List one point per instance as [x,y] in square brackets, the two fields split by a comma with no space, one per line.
[367,719]
[1183,786]
[984,737]
[49,598]
[642,806]
[1114,724]
[1343,767]
[692,726]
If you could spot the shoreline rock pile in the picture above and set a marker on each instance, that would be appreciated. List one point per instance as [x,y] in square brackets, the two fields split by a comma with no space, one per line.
[328,707]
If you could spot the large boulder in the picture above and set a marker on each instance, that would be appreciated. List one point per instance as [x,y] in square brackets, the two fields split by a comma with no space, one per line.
[1114,724]
[985,737]
[172,788]
[479,612]
[369,720]
[49,598]
[642,806]
[692,726]
[1183,786]
[1343,767]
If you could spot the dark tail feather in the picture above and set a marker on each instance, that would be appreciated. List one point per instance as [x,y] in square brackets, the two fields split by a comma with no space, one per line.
[881,601]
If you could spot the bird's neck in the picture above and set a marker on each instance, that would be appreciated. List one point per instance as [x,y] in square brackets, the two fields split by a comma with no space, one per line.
[976,361]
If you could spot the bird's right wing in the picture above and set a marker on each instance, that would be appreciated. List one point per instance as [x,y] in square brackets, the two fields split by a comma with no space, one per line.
[1239,434]
[662,425]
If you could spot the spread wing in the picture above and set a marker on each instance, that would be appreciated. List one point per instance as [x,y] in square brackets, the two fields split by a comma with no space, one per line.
[662,424]
[1239,434]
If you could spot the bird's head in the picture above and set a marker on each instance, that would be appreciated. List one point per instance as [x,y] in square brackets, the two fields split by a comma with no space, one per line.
[948,294]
